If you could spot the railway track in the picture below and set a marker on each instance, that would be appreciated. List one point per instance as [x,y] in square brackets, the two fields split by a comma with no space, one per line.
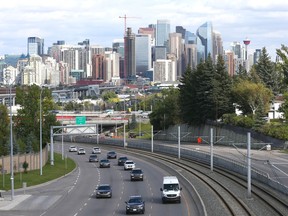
[229,189]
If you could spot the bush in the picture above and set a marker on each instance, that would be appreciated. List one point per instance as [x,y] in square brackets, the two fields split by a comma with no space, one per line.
[25,166]
[241,121]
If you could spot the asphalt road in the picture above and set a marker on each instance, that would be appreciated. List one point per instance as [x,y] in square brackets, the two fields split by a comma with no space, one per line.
[74,194]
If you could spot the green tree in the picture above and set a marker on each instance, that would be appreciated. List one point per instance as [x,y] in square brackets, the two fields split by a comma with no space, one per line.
[27,123]
[4,130]
[73,106]
[205,78]
[222,86]
[166,110]
[205,93]
[106,95]
[282,64]
[242,72]
[284,107]
[251,97]
[266,70]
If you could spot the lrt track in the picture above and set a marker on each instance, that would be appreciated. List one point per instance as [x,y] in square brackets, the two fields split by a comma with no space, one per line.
[226,196]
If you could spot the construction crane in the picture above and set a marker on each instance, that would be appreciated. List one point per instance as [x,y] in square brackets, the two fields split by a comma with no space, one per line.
[125,20]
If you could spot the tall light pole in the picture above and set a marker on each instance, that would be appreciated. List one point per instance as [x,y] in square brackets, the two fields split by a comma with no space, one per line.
[41,132]
[11,141]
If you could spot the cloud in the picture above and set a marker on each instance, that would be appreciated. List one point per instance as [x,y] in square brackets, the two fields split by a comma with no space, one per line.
[263,21]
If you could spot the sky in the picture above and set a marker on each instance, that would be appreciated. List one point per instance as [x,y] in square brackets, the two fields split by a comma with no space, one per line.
[264,22]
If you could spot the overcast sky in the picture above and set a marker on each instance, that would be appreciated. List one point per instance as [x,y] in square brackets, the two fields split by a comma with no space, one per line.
[264,22]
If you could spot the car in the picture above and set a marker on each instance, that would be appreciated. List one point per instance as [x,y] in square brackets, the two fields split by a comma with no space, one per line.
[136,174]
[122,160]
[129,164]
[81,151]
[93,158]
[103,191]
[96,150]
[111,155]
[72,149]
[135,204]
[104,163]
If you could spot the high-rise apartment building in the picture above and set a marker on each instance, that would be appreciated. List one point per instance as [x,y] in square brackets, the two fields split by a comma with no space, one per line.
[129,59]
[190,55]
[112,66]
[35,46]
[148,31]
[164,71]
[237,49]
[256,56]
[118,47]
[230,62]
[98,66]
[162,32]
[205,34]
[217,45]
[143,52]
[176,48]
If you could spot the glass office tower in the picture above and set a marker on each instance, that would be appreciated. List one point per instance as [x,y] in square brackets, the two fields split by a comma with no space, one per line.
[205,34]
[162,32]
[143,52]
[35,45]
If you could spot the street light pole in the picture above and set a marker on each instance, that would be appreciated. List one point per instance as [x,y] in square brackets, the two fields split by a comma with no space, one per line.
[11,145]
[41,132]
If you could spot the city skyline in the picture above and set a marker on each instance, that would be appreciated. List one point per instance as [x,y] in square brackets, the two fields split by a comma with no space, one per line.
[263,22]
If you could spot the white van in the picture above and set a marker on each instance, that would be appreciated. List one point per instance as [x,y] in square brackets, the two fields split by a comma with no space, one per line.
[171,190]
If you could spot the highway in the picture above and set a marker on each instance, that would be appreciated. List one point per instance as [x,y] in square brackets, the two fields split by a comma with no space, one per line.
[74,194]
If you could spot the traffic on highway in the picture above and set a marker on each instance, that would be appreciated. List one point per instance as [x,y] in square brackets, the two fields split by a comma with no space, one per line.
[88,189]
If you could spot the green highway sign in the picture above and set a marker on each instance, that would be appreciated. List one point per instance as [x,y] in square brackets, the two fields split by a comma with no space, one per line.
[80,120]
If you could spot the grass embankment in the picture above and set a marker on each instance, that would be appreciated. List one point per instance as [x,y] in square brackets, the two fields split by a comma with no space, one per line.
[60,168]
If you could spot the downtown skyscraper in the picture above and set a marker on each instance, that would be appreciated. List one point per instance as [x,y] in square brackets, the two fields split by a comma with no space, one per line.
[129,53]
[162,32]
[35,46]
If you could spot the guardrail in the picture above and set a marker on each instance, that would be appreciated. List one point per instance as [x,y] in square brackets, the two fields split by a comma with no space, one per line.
[171,149]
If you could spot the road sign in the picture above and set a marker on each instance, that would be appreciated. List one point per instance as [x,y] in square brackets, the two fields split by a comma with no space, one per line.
[80,120]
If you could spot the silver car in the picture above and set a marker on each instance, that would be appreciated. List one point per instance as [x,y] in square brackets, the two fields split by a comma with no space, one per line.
[104,190]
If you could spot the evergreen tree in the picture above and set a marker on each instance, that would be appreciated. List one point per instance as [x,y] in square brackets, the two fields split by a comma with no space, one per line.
[282,53]
[265,69]
[187,96]
[222,90]
[204,91]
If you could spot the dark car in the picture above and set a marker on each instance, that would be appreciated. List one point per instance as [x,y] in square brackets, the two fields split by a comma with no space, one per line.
[104,190]
[122,160]
[93,158]
[111,155]
[135,204]
[104,163]
[136,174]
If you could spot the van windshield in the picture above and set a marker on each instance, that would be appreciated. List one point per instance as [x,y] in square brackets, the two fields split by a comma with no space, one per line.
[171,187]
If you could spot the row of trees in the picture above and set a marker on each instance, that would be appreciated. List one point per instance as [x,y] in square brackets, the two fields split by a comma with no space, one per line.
[26,124]
[208,92]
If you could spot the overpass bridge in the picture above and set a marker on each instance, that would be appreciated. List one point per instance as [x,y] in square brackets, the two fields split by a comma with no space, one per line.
[63,95]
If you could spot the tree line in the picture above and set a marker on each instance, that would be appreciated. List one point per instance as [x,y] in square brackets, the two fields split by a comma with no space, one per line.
[208,92]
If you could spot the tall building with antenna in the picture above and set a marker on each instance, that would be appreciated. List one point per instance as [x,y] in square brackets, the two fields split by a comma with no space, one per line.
[246,42]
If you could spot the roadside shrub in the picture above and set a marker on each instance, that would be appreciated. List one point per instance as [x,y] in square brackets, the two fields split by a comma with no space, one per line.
[25,166]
